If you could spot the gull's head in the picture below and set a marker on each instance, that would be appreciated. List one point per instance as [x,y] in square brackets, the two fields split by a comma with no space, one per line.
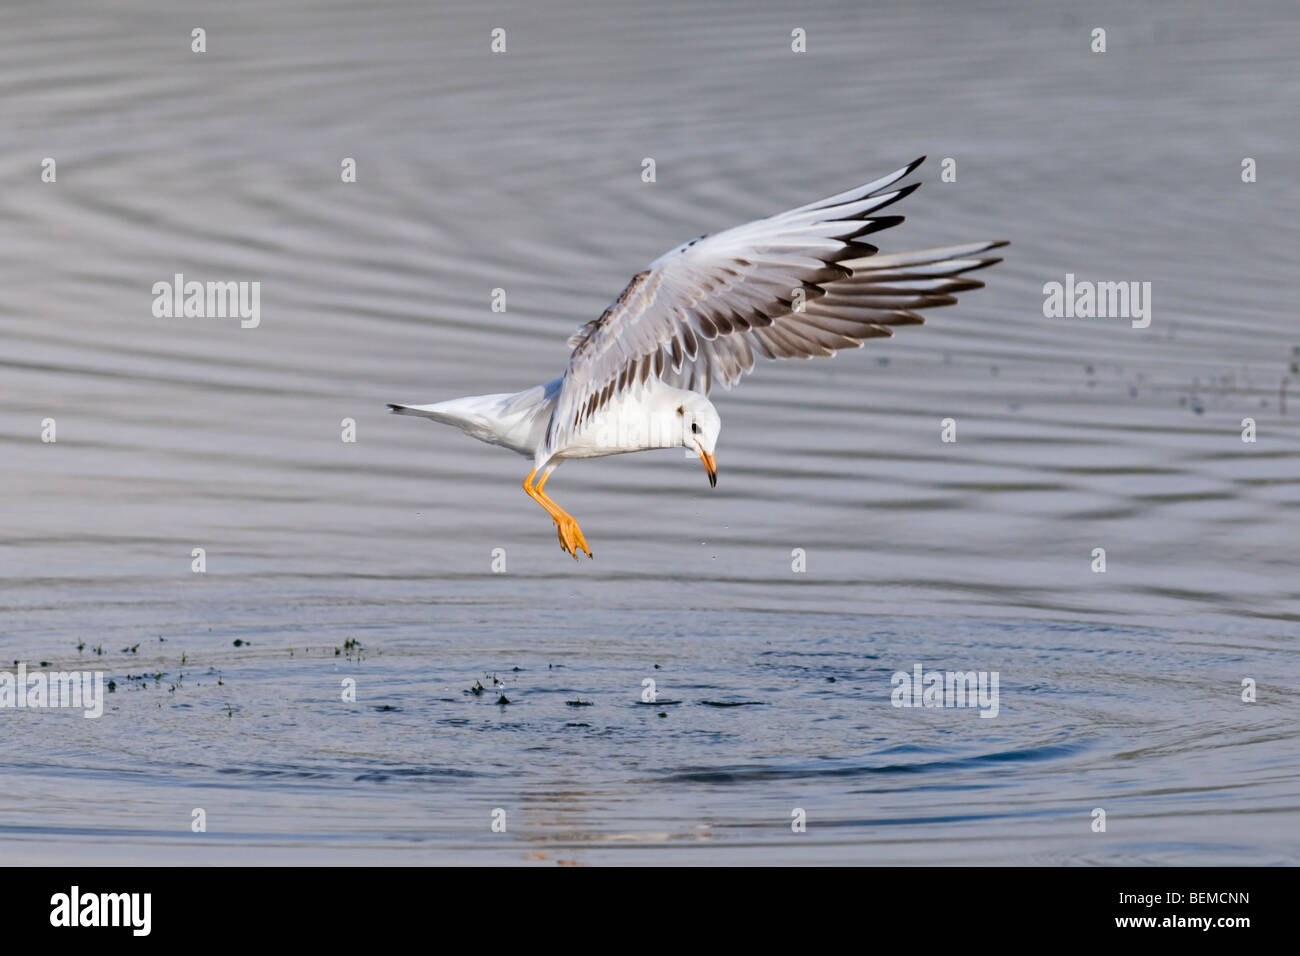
[700,426]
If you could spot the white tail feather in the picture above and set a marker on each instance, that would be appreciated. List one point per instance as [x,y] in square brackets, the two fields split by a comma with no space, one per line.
[513,420]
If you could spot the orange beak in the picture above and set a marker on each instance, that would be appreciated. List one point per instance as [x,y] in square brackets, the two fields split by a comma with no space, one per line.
[711,466]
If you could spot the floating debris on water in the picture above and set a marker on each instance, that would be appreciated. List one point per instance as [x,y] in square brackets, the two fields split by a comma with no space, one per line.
[732,703]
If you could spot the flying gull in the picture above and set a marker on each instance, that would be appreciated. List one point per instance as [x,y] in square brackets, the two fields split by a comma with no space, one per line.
[797,284]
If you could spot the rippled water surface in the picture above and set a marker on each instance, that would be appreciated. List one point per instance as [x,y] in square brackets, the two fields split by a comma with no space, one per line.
[522,172]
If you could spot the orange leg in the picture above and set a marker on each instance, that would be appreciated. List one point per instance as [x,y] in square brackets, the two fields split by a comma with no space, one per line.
[567,524]
[566,527]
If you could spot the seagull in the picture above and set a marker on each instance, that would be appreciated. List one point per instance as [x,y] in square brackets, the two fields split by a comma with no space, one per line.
[797,284]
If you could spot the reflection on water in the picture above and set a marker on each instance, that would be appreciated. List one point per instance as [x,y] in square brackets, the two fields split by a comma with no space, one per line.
[522,172]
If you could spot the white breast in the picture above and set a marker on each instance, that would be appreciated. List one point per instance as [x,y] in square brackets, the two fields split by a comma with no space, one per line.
[632,422]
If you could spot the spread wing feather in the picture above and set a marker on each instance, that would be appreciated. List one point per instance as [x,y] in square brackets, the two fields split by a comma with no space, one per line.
[797,284]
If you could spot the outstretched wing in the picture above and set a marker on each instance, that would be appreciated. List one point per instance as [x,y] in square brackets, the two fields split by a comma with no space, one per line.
[798,284]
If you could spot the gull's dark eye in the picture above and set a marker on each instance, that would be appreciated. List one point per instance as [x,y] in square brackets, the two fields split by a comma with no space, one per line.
[695,428]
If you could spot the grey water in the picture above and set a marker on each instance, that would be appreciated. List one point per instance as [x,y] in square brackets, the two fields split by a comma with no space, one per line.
[410,562]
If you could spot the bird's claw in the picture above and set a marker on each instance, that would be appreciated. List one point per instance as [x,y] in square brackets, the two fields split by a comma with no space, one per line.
[571,538]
